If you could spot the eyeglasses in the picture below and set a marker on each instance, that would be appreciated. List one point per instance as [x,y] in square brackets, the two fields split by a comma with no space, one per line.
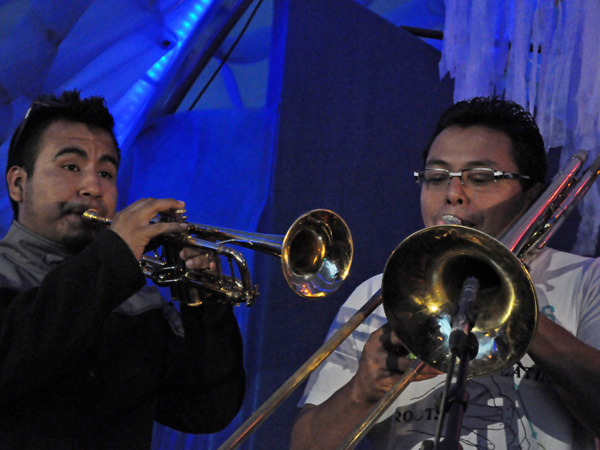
[478,178]
[35,105]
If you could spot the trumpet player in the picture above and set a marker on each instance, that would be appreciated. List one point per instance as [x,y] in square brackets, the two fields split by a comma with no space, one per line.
[484,165]
[90,357]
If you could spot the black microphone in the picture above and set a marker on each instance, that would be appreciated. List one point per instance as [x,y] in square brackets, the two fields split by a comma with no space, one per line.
[465,318]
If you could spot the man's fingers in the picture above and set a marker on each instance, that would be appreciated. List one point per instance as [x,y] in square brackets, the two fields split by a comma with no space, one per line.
[197,258]
[397,364]
[161,228]
[147,209]
[392,363]
[391,342]
[134,223]
[156,204]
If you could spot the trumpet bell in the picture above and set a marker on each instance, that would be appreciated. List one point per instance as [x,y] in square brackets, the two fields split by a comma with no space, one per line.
[421,290]
[316,253]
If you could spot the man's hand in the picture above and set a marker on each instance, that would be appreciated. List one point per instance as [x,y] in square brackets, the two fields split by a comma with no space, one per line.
[329,424]
[134,227]
[197,259]
[382,363]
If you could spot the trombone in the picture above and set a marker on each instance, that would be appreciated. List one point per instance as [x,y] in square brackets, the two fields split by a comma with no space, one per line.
[316,255]
[421,283]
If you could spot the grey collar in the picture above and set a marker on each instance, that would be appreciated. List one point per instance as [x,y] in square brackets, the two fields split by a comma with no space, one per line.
[29,249]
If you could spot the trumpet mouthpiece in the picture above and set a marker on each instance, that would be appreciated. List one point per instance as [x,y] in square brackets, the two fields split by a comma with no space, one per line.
[449,219]
[92,216]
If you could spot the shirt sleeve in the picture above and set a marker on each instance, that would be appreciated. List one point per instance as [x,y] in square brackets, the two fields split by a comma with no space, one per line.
[339,368]
[205,383]
[589,321]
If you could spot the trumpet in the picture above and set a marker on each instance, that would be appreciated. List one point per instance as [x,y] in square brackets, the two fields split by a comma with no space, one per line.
[316,255]
[421,285]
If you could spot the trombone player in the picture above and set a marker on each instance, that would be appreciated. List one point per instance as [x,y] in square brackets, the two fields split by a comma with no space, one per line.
[484,165]
[89,356]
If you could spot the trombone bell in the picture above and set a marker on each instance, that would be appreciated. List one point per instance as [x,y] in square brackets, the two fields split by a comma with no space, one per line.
[421,292]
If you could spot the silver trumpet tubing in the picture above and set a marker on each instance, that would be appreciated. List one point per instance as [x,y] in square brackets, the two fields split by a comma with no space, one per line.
[421,287]
[316,255]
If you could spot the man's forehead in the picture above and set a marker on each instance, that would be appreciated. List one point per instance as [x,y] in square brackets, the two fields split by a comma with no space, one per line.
[93,142]
[471,146]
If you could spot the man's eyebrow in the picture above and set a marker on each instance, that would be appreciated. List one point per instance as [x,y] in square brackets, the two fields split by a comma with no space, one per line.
[71,150]
[436,162]
[83,154]
[110,159]
[470,164]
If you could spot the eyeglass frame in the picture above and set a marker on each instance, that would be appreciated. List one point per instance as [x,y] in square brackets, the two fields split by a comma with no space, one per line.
[498,175]
[36,104]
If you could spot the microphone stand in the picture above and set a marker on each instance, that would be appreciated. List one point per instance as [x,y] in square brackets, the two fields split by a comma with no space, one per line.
[463,345]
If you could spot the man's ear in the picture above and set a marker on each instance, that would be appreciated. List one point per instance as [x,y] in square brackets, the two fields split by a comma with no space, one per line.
[16,179]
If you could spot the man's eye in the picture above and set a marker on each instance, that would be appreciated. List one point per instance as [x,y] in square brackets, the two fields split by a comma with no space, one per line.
[481,178]
[71,167]
[436,178]
[107,175]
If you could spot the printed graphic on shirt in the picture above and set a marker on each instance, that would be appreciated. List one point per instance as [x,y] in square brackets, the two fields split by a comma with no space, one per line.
[508,411]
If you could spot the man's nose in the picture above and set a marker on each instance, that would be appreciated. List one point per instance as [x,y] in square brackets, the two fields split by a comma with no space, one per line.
[455,192]
[90,186]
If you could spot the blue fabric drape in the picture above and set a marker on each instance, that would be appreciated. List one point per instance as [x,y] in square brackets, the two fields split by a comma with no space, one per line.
[219,163]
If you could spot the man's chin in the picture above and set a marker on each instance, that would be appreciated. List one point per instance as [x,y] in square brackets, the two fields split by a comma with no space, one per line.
[79,239]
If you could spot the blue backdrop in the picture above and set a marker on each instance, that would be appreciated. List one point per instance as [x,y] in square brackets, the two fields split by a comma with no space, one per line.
[351,100]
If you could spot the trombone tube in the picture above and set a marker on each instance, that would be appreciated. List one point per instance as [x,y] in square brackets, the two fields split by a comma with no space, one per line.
[286,389]
[570,202]
[518,239]
[384,403]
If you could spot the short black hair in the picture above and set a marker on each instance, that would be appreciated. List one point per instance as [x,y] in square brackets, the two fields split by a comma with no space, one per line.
[43,112]
[528,149]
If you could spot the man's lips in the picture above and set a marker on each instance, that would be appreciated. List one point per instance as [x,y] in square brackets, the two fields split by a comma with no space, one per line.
[77,210]
[81,208]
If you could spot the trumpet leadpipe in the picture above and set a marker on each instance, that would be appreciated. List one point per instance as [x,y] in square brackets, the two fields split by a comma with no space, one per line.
[92,216]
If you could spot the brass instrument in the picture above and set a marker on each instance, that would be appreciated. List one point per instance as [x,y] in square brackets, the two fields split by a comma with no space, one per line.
[424,274]
[316,255]
[422,280]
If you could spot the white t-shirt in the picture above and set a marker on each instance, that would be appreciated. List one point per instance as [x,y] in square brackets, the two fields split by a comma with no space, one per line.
[512,410]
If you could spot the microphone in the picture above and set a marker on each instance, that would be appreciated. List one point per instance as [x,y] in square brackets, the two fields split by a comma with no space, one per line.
[466,316]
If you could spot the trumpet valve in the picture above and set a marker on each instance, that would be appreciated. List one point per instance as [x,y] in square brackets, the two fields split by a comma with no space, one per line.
[172,215]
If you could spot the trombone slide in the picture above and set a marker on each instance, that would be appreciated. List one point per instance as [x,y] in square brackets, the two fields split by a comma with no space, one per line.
[286,389]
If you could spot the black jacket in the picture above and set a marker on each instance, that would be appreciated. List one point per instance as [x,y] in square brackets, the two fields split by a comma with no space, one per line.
[83,365]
